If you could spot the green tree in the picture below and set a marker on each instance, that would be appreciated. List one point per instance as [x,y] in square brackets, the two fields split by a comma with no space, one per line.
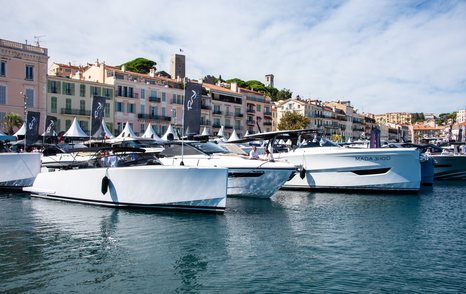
[293,121]
[10,121]
[208,79]
[240,82]
[284,94]
[140,65]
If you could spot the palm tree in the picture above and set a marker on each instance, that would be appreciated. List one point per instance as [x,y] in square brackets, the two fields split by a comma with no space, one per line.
[10,121]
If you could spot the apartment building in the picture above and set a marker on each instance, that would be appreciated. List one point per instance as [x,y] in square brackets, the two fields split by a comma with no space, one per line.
[69,96]
[461,116]
[401,118]
[141,99]
[23,79]
[226,109]
[258,111]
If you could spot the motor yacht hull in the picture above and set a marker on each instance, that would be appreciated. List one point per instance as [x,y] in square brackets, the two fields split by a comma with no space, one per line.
[246,177]
[355,169]
[18,170]
[150,186]
[449,167]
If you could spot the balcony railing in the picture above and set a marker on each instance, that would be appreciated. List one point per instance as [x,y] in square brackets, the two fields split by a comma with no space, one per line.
[75,111]
[177,101]
[205,122]
[250,110]
[228,127]
[215,125]
[268,113]
[205,106]
[239,115]
[154,99]
[267,123]
[154,117]
[228,113]
[217,112]
[250,122]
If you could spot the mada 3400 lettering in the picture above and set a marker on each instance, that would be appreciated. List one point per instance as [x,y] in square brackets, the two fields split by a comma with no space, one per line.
[372,158]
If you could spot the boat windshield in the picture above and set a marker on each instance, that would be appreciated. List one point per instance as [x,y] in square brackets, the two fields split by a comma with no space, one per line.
[315,142]
[208,147]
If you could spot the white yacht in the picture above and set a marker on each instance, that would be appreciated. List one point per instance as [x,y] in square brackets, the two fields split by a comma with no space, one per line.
[325,165]
[246,177]
[18,170]
[129,178]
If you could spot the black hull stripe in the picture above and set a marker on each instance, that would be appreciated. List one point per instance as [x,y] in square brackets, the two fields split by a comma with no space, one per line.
[351,190]
[129,205]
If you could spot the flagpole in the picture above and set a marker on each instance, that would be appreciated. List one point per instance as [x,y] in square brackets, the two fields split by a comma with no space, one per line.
[182,123]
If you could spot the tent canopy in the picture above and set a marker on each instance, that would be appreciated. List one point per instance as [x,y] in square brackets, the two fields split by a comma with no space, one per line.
[127,132]
[75,131]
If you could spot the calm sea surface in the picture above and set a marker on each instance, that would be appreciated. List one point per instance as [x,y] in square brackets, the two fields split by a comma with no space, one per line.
[296,242]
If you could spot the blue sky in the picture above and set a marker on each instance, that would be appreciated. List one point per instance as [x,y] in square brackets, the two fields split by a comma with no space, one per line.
[383,56]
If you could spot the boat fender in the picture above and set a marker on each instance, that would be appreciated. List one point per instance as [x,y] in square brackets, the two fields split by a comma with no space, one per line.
[302,173]
[105,183]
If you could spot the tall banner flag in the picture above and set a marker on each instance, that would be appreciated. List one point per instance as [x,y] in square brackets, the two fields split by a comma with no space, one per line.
[460,134]
[97,113]
[32,127]
[375,138]
[50,126]
[192,108]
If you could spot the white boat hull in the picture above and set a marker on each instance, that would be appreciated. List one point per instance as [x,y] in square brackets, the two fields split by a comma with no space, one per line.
[246,178]
[355,169]
[165,187]
[449,167]
[18,170]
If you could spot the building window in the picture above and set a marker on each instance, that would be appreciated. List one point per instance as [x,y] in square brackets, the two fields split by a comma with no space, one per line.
[130,92]
[67,88]
[68,104]
[142,109]
[82,90]
[258,107]
[142,128]
[82,106]
[173,113]
[2,94]
[143,94]
[153,93]
[95,91]
[53,103]
[164,96]
[107,110]
[54,87]
[67,124]
[2,68]
[130,108]
[29,72]
[108,92]
[163,111]
[119,106]
[30,98]
[153,110]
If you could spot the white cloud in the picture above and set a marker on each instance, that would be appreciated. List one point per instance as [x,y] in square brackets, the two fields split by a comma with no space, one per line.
[382,55]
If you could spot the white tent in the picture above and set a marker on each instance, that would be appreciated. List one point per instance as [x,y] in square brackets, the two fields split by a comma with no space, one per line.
[127,132]
[168,132]
[221,133]
[233,136]
[246,134]
[150,133]
[21,131]
[75,131]
[205,132]
[107,132]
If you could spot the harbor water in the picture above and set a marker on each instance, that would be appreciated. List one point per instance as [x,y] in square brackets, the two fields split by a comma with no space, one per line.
[295,242]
